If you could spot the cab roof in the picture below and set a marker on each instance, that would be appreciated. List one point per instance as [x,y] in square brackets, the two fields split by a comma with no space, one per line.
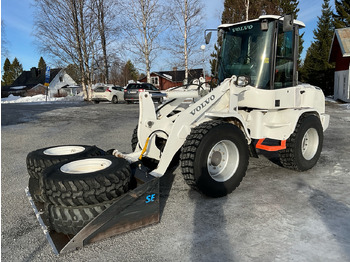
[269,17]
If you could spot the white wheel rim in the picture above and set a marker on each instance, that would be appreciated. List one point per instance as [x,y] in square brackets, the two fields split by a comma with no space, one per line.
[309,143]
[86,166]
[223,160]
[63,150]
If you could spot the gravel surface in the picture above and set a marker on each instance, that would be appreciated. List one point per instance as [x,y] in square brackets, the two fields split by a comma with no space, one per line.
[274,215]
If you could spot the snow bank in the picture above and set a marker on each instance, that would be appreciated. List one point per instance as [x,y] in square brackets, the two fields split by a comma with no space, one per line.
[40,99]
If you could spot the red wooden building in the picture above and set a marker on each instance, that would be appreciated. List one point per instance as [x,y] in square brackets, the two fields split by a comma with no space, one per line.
[340,54]
[167,79]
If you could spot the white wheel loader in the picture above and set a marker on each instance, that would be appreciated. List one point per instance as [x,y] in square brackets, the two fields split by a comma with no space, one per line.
[258,98]
[258,103]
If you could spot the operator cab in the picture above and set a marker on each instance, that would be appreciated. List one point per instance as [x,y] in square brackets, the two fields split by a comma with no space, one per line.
[262,53]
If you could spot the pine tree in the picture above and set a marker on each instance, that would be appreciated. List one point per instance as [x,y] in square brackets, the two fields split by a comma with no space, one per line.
[316,69]
[42,64]
[342,16]
[16,68]
[74,72]
[129,72]
[7,78]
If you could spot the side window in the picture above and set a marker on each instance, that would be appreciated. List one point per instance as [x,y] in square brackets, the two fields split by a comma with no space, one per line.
[284,59]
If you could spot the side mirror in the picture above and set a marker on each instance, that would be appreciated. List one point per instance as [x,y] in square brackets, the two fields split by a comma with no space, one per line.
[220,33]
[207,38]
[288,23]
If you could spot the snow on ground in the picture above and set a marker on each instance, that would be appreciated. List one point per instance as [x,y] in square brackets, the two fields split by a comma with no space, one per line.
[40,99]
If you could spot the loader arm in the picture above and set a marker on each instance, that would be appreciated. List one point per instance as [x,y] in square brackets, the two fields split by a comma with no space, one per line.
[175,128]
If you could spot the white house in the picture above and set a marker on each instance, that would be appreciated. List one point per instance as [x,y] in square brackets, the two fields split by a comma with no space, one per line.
[62,79]
[340,54]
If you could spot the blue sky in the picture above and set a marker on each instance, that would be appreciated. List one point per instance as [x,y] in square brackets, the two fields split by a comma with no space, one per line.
[18,18]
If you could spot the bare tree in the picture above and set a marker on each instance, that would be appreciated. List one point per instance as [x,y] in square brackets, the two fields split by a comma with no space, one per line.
[105,14]
[145,20]
[4,42]
[246,5]
[75,32]
[59,27]
[188,29]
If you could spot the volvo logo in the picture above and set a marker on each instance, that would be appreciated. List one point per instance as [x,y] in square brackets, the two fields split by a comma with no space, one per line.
[203,104]
[242,28]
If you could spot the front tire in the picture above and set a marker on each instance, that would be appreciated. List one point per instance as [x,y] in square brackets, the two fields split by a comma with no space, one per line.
[214,158]
[304,146]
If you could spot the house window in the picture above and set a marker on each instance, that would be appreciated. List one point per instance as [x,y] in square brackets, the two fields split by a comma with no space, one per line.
[61,78]
[155,80]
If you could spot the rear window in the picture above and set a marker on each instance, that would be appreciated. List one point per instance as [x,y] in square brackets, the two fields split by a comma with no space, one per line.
[100,89]
[118,88]
[134,86]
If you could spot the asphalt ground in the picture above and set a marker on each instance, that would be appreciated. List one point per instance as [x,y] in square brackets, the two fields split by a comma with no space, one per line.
[274,215]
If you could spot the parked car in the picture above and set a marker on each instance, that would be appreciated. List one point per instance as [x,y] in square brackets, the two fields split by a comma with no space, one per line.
[112,94]
[131,92]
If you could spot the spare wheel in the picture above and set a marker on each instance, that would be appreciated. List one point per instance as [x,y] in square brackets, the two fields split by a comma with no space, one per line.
[86,181]
[43,158]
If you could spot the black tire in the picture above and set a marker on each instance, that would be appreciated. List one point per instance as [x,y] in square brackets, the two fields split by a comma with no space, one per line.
[43,158]
[304,146]
[134,139]
[200,161]
[86,181]
[70,220]
[114,100]
[35,190]
[95,102]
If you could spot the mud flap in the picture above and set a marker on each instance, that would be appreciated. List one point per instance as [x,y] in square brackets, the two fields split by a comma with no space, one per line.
[135,209]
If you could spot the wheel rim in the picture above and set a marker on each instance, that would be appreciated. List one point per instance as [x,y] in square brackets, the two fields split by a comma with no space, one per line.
[115,99]
[219,168]
[63,150]
[309,143]
[86,166]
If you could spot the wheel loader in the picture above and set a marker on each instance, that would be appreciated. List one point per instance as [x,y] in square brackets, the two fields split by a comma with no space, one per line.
[258,103]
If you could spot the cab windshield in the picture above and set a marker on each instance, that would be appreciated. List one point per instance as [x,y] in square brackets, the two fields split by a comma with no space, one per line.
[246,52]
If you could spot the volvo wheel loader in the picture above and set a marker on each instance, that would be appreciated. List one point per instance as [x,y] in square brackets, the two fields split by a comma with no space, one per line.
[257,104]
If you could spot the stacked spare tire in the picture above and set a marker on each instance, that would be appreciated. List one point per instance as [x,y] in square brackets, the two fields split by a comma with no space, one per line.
[75,183]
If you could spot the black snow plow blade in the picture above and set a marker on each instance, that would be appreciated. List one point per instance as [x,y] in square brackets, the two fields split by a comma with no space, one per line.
[135,209]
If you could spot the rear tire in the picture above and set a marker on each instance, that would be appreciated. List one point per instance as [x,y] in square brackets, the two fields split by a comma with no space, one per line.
[41,159]
[214,158]
[86,181]
[114,100]
[304,146]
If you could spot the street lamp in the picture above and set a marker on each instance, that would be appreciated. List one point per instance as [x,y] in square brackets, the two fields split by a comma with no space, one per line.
[203,48]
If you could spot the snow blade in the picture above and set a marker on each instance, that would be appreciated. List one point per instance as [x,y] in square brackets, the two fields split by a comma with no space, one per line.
[135,209]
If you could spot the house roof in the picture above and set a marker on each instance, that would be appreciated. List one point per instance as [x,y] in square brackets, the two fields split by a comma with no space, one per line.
[34,76]
[179,75]
[342,36]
